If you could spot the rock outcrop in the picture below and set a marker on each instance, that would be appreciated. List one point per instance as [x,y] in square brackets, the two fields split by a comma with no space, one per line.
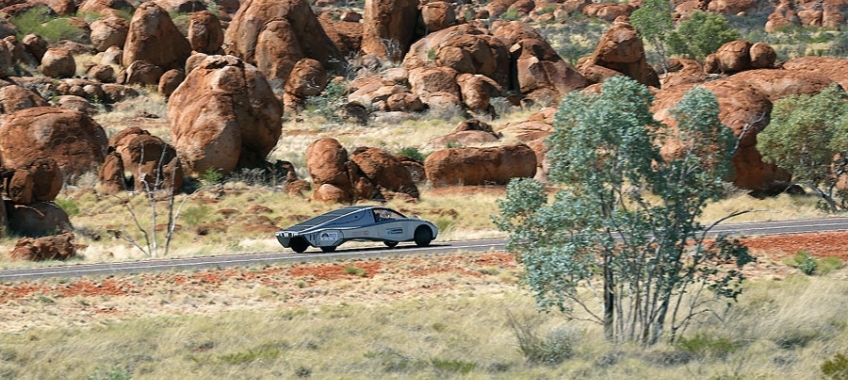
[480,166]
[224,116]
[154,38]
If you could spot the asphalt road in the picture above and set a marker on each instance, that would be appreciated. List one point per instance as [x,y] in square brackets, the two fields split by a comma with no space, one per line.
[313,254]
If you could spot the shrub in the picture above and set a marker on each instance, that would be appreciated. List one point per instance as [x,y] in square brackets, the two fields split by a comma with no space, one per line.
[453,365]
[110,374]
[38,21]
[355,271]
[211,176]
[701,35]
[195,215]
[413,153]
[707,346]
[553,349]
[836,368]
[68,205]
[328,103]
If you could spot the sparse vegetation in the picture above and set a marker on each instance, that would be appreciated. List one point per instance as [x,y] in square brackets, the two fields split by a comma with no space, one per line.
[38,20]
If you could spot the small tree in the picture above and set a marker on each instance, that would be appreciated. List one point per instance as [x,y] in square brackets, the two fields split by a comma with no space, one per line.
[701,35]
[654,23]
[808,136]
[646,260]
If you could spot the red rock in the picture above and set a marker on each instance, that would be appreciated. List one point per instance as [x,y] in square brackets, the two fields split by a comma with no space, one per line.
[71,138]
[151,28]
[621,50]
[58,63]
[205,34]
[438,15]
[388,28]
[384,170]
[108,32]
[37,219]
[224,116]
[480,166]
[307,78]
[14,97]
[169,81]
[53,247]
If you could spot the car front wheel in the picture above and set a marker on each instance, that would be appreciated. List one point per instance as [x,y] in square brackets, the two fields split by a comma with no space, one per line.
[390,244]
[423,236]
[328,249]
[299,245]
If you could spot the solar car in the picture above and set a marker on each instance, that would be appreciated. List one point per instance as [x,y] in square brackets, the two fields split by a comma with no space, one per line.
[363,223]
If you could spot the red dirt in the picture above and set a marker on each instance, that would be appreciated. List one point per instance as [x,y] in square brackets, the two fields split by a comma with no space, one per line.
[53,302]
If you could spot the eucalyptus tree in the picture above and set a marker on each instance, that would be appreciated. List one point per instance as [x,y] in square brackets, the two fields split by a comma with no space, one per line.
[808,136]
[654,22]
[619,242]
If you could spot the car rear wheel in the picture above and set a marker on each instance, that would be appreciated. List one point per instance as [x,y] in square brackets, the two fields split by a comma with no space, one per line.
[328,249]
[390,244]
[423,236]
[299,244]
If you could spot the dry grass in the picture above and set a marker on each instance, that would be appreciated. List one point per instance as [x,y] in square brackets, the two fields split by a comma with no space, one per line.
[779,329]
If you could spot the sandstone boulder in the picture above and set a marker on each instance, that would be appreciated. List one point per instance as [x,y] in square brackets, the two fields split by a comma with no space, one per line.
[105,7]
[205,34]
[224,116]
[151,30]
[71,138]
[427,81]
[37,219]
[35,45]
[142,72]
[101,73]
[242,34]
[477,90]
[58,63]
[621,50]
[762,56]
[745,110]
[278,49]
[480,166]
[731,57]
[388,28]
[14,97]
[325,161]
[307,78]
[463,138]
[36,181]
[438,15]
[169,81]
[385,171]
[778,84]
[345,33]
[108,32]
[53,247]
[836,69]
[541,74]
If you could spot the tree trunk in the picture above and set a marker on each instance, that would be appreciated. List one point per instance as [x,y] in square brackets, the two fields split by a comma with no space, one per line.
[609,298]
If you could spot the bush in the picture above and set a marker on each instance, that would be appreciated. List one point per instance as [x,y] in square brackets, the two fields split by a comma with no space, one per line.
[553,349]
[707,346]
[328,103]
[413,153]
[68,205]
[38,20]
[195,215]
[701,35]
[836,368]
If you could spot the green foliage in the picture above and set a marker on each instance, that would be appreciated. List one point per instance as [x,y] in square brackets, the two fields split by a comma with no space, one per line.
[836,368]
[453,365]
[263,352]
[211,176]
[701,35]
[511,14]
[328,103]
[810,265]
[445,225]
[68,205]
[110,374]
[355,271]
[556,347]
[705,346]
[600,232]
[654,23]
[808,136]
[38,20]
[413,153]
[195,215]
[806,263]
[454,144]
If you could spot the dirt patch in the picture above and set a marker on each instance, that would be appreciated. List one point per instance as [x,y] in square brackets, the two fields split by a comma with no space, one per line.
[82,302]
